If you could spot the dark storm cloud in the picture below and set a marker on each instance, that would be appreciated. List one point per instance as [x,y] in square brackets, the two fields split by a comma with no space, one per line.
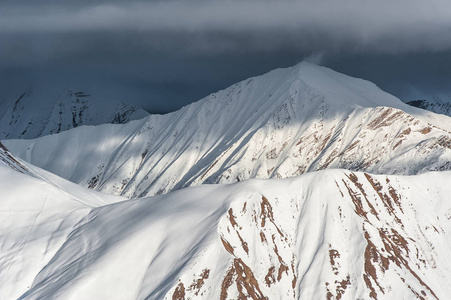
[324,25]
[164,54]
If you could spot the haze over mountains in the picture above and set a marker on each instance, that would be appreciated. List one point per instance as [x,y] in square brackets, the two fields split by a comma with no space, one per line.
[334,218]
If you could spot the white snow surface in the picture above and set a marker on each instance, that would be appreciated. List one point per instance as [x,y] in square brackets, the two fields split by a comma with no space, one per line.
[37,113]
[319,235]
[327,234]
[278,125]
[38,211]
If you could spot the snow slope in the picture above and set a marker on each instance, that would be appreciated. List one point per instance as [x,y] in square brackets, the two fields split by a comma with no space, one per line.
[34,114]
[38,211]
[331,234]
[281,124]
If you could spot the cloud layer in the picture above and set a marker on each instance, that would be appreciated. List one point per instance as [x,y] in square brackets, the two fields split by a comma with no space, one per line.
[324,25]
[164,54]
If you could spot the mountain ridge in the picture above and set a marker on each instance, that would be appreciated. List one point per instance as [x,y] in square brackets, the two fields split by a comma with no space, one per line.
[281,124]
[323,233]
[289,237]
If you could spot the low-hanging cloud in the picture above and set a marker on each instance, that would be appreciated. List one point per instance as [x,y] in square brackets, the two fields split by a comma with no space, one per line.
[315,26]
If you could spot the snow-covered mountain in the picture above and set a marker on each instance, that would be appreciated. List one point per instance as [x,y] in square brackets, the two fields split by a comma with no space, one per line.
[281,124]
[329,234]
[34,114]
[332,234]
[439,105]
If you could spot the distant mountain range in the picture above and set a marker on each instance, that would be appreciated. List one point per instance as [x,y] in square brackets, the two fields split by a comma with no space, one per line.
[33,115]
[440,105]
[302,183]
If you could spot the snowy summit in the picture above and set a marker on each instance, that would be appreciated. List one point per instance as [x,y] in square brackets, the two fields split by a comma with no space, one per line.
[302,183]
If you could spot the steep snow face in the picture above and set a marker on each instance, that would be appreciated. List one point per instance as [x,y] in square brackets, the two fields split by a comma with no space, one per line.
[439,105]
[38,211]
[330,234]
[278,125]
[33,115]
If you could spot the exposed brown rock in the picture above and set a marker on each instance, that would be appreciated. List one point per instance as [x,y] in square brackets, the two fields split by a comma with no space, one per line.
[246,284]
[384,197]
[396,198]
[386,118]
[272,154]
[243,243]
[397,145]
[371,255]
[354,179]
[227,246]
[342,285]
[349,148]
[326,139]
[269,171]
[232,218]
[426,130]
[373,293]
[443,141]
[329,159]
[340,288]
[266,213]
[197,284]
[329,295]
[263,237]
[179,293]
[395,246]
[276,251]
[246,279]
[227,282]
[332,255]
[269,278]
[405,132]
[293,282]
[209,168]
[339,188]
[356,200]
[244,208]
[282,268]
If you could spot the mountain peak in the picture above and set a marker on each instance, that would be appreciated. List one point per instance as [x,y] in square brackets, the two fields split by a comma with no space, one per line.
[280,124]
[260,239]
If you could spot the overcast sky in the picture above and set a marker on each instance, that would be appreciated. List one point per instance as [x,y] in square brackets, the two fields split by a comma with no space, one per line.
[162,55]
